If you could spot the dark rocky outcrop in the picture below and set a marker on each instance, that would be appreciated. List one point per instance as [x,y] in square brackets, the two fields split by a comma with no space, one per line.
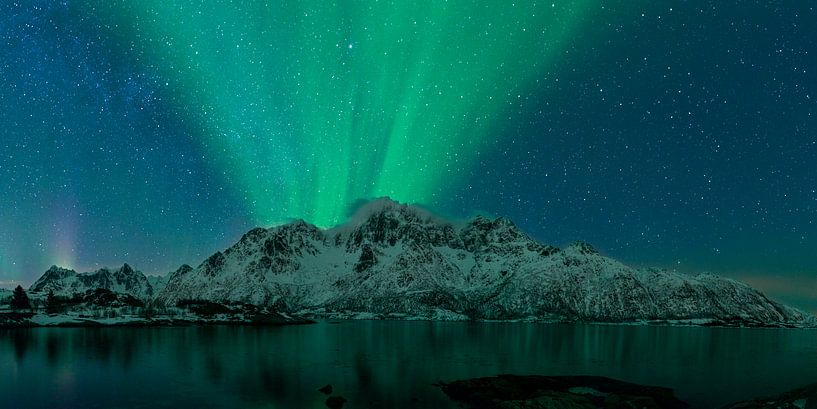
[335,402]
[801,398]
[367,259]
[559,392]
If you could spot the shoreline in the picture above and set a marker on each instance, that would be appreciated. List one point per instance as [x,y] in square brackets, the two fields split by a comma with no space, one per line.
[11,320]
[35,320]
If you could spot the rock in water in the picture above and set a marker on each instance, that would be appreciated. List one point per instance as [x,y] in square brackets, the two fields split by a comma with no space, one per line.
[335,402]
[563,392]
[800,398]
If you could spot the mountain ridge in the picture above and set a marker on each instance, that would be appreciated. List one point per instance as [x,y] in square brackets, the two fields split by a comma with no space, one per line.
[392,258]
[67,282]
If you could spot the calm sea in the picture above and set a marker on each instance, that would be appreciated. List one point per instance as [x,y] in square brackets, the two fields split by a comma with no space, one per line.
[382,364]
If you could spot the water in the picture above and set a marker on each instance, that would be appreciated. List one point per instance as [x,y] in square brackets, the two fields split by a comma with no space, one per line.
[381,363]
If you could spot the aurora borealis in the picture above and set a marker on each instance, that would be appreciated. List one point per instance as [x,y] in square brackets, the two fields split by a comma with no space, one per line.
[156,132]
[309,107]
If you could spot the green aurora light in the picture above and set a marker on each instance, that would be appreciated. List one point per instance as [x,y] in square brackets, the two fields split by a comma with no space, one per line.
[308,107]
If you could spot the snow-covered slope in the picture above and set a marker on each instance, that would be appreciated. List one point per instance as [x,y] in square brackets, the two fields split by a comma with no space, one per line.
[67,283]
[394,258]
[157,282]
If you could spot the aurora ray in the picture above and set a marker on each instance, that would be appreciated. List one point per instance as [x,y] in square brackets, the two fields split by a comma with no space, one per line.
[307,108]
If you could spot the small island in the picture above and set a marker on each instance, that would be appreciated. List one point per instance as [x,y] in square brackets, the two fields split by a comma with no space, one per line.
[585,392]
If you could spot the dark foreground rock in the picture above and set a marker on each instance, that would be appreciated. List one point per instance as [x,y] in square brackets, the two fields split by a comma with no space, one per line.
[558,392]
[800,398]
[335,402]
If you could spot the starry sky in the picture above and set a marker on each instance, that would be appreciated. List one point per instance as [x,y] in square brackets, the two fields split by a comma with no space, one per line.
[679,134]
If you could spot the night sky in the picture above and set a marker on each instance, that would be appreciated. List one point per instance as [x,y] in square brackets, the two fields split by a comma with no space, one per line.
[155,132]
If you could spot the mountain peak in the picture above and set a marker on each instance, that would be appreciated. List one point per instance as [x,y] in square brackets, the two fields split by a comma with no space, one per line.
[386,207]
[297,226]
[387,222]
[184,268]
[56,268]
[68,283]
[582,248]
[54,273]
[483,231]
[487,223]
[181,271]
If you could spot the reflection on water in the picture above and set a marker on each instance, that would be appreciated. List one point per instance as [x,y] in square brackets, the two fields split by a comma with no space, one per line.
[382,363]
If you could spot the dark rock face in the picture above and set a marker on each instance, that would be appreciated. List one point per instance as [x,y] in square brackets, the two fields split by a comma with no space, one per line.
[276,245]
[800,398]
[181,271]
[367,259]
[567,392]
[483,234]
[392,224]
[213,264]
[546,250]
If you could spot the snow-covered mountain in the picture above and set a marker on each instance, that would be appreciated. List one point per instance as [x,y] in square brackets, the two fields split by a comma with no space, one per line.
[67,283]
[395,258]
[157,282]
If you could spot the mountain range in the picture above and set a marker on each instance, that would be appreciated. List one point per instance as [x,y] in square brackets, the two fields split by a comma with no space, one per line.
[65,282]
[401,260]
